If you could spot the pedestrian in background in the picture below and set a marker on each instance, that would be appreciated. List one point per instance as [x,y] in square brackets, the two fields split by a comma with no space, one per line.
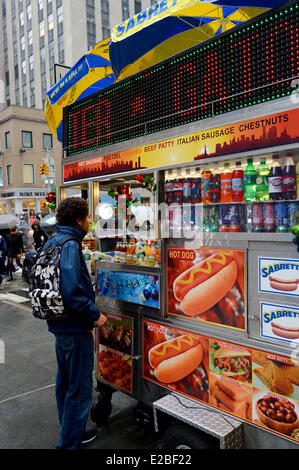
[74,339]
[3,254]
[15,249]
[39,235]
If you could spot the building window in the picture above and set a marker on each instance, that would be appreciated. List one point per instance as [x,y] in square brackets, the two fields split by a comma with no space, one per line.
[47,141]
[137,5]
[28,173]
[91,35]
[9,174]
[125,9]
[105,19]
[90,11]
[1,176]
[27,139]
[7,140]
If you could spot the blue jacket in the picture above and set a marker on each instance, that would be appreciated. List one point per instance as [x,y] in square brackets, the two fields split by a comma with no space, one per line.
[3,249]
[76,287]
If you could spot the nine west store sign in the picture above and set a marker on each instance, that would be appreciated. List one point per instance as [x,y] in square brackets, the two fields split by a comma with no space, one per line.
[21,200]
[21,193]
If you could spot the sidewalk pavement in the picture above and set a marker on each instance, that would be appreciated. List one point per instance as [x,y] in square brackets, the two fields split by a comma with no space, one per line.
[28,414]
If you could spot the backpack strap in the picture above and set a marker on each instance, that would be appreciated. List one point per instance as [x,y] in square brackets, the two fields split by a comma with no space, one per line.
[67,239]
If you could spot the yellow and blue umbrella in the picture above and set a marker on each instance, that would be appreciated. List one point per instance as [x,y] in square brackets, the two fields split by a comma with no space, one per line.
[90,74]
[172,26]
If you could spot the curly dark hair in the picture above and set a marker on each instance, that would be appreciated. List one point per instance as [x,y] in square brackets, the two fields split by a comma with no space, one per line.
[70,210]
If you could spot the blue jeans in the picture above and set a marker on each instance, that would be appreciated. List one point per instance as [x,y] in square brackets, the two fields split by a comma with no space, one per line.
[75,358]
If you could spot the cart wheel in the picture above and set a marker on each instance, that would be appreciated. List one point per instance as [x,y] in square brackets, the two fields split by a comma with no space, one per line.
[101,410]
[180,436]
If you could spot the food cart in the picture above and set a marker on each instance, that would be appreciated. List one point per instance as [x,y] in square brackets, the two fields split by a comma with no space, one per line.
[203,330]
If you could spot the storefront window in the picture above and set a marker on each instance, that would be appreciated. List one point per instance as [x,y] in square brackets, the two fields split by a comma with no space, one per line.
[3,208]
[28,204]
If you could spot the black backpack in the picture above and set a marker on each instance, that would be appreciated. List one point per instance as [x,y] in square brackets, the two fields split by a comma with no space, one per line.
[44,284]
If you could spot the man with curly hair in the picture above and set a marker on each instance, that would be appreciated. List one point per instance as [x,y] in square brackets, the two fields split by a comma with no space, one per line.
[74,340]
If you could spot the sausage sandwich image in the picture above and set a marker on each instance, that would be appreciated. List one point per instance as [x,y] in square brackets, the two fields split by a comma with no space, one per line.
[174,359]
[204,284]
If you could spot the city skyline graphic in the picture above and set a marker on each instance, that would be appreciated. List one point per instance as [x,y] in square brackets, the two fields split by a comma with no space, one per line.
[243,143]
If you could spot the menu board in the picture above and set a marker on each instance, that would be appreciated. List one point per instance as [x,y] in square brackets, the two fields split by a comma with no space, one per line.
[207,284]
[115,351]
[142,289]
[258,387]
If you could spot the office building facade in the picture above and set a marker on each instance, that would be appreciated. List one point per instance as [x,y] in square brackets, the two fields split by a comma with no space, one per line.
[36,34]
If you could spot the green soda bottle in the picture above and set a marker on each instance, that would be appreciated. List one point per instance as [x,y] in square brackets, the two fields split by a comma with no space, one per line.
[262,190]
[213,219]
[249,182]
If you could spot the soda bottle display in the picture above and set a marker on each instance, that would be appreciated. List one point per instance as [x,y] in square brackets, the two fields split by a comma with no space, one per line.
[226,184]
[289,178]
[281,216]
[187,187]
[269,217]
[257,217]
[248,218]
[205,186]
[292,210]
[275,180]
[262,173]
[195,190]
[214,218]
[169,192]
[206,219]
[249,182]
[234,218]
[178,188]
[215,188]
[237,183]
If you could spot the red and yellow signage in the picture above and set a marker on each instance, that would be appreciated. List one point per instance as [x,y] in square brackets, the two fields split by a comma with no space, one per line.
[268,131]
[258,387]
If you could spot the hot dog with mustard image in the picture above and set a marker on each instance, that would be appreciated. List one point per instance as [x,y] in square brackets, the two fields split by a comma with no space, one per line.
[204,284]
[174,359]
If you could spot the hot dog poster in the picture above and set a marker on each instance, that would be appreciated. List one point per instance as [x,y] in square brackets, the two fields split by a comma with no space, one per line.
[115,351]
[258,387]
[279,276]
[207,284]
[279,322]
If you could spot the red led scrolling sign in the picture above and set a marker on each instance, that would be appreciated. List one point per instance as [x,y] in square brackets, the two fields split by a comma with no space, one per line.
[251,64]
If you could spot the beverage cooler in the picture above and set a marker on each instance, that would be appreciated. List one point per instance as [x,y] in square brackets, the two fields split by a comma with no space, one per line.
[213,277]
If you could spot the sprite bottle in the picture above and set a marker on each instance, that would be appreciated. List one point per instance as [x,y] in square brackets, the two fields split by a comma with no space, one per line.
[249,182]
[262,191]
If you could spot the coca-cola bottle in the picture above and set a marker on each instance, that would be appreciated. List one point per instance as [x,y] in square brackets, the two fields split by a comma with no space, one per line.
[275,180]
[289,178]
